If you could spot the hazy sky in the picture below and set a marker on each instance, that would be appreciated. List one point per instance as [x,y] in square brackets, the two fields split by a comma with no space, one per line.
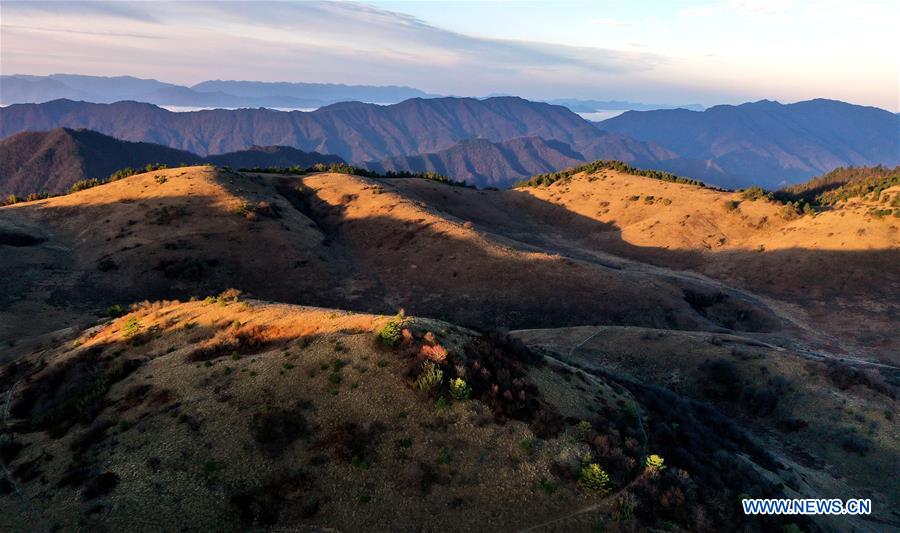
[657,52]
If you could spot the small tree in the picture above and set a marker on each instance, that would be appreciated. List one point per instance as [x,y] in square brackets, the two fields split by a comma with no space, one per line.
[594,479]
[583,430]
[654,464]
[460,390]
[131,327]
[391,333]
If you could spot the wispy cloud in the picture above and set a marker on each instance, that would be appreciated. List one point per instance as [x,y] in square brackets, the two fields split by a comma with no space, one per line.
[351,42]
[133,11]
[78,32]
[311,41]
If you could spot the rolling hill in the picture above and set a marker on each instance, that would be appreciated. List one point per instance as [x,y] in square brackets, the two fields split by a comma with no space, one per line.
[483,163]
[35,162]
[336,429]
[766,143]
[747,348]
[486,164]
[835,265]
[842,183]
[343,241]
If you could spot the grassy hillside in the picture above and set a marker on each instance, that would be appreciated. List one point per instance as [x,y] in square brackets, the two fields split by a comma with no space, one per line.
[676,347]
[275,415]
[831,268]
[842,184]
[342,240]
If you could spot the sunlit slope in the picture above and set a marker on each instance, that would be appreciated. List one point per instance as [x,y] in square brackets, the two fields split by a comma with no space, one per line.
[234,414]
[327,239]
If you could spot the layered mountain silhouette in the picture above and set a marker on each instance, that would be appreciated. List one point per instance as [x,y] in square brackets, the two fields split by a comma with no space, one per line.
[352,130]
[767,143]
[763,143]
[52,161]
[103,89]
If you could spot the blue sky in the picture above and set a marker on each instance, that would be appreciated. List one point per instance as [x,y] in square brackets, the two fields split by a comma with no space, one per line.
[659,52]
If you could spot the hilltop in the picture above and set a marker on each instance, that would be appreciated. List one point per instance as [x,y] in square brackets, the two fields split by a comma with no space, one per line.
[337,419]
[486,164]
[344,241]
[833,267]
[53,161]
[842,184]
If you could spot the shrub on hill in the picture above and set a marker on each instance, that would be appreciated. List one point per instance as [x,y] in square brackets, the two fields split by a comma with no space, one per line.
[13,199]
[344,168]
[93,182]
[543,180]
[756,193]
[842,184]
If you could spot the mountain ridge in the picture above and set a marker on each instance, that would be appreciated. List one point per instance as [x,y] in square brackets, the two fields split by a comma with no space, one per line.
[354,131]
[769,141]
[52,161]
[23,88]
[761,143]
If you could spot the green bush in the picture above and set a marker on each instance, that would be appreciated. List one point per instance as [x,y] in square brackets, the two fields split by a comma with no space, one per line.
[81,185]
[756,193]
[842,184]
[391,333]
[344,168]
[654,463]
[115,311]
[460,390]
[543,180]
[131,327]
[583,430]
[594,479]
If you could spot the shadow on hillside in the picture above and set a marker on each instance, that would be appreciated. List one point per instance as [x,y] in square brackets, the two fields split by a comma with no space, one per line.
[382,263]
[533,221]
[857,291]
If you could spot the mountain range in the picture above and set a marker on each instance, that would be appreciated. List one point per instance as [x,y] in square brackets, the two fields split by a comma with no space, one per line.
[21,88]
[354,131]
[15,89]
[590,106]
[53,161]
[762,143]
[767,143]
